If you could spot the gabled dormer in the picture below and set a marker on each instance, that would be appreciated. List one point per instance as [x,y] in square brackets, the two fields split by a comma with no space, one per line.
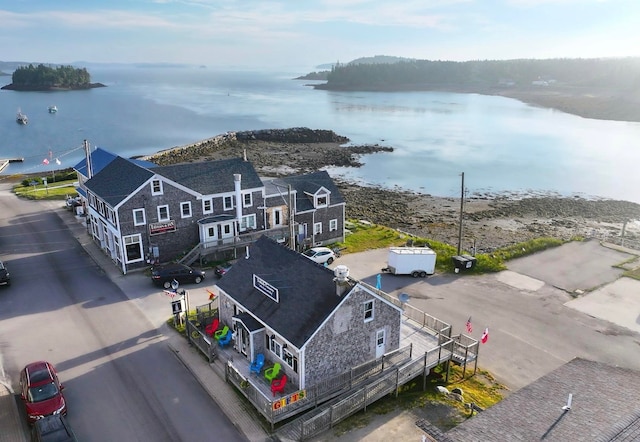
[321,198]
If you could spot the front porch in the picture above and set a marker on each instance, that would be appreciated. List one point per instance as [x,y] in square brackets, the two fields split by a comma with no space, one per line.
[425,343]
[208,249]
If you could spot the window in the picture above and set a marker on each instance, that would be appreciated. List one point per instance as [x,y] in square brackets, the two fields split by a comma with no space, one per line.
[247,200]
[317,228]
[248,222]
[156,187]
[322,201]
[275,347]
[228,202]
[133,247]
[368,311]
[207,206]
[138,217]
[185,209]
[290,360]
[333,225]
[163,213]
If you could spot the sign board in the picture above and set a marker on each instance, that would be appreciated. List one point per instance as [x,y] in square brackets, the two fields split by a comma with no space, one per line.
[177,306]
[266,288]
[162,227]
[294,397]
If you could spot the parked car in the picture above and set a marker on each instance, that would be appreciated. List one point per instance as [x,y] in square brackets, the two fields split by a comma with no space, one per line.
[222,269]
[163,275]
[41,391]
[4,275]
[320,255]
[54,428]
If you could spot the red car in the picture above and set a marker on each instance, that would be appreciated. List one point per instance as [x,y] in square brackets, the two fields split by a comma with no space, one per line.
[41,391]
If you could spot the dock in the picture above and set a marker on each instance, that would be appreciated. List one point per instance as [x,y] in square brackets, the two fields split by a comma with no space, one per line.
[5,163]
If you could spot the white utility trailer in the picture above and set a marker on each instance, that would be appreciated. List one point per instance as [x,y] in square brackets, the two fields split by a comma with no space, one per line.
[414,261]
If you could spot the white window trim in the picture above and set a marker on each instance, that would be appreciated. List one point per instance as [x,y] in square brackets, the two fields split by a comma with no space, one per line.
[135,218]
[204,210]
[182,206]
[317,228]
[244,201]
[369,306]
[168,214]
[224,202]
[153,191]
[137,240]
[275,347]
[244,225]
[317,204]
[333,224]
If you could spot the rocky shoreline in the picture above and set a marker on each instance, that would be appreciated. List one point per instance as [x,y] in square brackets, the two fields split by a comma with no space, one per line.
[489,221]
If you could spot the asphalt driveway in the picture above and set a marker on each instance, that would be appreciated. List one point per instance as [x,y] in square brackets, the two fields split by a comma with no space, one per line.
[535,323]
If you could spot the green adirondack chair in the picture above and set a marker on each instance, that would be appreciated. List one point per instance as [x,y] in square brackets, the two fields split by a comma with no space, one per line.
[271,373]
[221,333]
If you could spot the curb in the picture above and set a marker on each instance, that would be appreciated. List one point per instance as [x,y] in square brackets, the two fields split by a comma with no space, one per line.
[211,379]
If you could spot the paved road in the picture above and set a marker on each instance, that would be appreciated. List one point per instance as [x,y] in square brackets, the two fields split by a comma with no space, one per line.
[534,327]
[122,381]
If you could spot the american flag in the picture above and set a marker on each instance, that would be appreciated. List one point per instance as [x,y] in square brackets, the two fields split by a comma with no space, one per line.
[469,327]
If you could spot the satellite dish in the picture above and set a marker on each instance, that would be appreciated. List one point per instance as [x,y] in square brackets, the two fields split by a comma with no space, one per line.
[403,297]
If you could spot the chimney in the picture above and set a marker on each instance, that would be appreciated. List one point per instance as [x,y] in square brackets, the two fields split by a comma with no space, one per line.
[341,279]
[237,182]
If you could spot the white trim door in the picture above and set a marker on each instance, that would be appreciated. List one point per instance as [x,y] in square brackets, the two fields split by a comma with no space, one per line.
[380,343]
[227,232]
[277,217]
[209,232]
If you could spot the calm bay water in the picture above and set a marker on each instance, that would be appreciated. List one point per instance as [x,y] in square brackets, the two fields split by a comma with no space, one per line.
[502,145]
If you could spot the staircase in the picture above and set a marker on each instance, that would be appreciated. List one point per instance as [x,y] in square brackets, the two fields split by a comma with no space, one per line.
[191,257]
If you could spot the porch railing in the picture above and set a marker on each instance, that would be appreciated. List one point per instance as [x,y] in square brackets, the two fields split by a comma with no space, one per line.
[323,418]
[205,248]
[318,393]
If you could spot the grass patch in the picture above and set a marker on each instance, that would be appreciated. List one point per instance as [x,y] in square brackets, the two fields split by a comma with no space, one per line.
[367,236]
[443,411]
[36,190]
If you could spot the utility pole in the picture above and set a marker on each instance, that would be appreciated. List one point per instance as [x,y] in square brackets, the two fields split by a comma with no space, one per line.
[461,212]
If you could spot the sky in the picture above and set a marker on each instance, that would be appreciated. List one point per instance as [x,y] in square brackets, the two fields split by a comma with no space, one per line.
[308,33]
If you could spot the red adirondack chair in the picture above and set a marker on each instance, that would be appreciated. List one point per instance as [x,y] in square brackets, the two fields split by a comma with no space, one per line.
[277,385]
[211,328]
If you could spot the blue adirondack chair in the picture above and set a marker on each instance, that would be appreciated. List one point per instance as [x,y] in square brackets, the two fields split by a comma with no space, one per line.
[257,364]
[226,339]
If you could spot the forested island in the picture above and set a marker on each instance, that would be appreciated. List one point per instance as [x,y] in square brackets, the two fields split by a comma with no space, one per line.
[46,78]
[594,88]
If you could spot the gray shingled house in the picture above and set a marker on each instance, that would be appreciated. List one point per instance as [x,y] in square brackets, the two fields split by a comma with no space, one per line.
[319,207]
[300,314]
[141,213]
[604,407]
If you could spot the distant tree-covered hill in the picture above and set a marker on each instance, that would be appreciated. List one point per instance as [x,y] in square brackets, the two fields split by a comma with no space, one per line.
[604,88]
[41,77]
[425,74]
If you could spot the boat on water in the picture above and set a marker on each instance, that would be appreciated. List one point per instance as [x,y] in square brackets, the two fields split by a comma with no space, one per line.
[21,118]
[53,109]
